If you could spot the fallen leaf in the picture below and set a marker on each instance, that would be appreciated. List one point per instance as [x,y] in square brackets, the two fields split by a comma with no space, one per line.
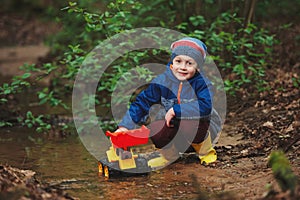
[289,129]
[268,124]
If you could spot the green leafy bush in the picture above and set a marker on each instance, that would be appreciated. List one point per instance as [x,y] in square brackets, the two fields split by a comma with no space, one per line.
[241,53]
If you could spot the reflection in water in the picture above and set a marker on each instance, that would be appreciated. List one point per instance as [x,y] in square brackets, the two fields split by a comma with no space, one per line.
[54,160]
[64,162]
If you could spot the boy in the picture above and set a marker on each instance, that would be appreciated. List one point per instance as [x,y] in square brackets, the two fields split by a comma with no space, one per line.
[186,97]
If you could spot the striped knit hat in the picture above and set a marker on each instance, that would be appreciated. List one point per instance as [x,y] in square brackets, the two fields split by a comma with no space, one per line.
[191,47]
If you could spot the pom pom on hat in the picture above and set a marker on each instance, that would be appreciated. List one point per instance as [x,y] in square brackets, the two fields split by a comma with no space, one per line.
[191,47]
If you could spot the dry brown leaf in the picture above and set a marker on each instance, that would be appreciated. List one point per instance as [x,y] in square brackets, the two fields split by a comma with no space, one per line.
[289,129]
[268,124]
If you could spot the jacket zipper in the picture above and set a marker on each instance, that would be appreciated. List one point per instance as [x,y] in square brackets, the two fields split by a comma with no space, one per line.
[179,92]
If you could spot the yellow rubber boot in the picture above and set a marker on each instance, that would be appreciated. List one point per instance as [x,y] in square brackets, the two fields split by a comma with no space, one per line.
[207,154]
[166,157]
[158,162]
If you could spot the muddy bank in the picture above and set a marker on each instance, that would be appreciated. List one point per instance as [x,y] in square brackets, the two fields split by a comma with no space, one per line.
[11,58]
[22,184]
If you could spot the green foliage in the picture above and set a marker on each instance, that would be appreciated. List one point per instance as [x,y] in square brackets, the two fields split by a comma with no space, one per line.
[282,171]
[242,53]
[288,10]
[36,121]
[87,28]
[46,96]
[296,82]
[18,84]
[4,124]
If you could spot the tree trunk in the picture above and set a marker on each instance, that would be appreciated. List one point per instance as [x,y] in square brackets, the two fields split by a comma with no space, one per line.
[198,6]
[250,7]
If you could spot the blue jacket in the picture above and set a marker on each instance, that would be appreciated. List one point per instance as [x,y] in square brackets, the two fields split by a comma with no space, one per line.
[192,101]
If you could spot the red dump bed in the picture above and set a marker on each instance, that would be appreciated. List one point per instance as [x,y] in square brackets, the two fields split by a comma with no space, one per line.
[129,138]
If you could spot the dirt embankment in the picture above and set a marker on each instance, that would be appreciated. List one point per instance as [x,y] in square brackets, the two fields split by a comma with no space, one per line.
[21,184]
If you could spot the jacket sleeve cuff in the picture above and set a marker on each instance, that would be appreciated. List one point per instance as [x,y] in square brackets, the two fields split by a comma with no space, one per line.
[127,122]
[177,110]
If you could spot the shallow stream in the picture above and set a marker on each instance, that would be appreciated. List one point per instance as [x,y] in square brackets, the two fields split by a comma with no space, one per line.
[63,162]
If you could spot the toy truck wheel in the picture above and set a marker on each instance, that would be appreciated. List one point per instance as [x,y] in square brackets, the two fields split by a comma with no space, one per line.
[106,171]
[100,168]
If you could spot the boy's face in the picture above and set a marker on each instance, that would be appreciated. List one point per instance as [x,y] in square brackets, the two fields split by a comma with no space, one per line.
[184,67]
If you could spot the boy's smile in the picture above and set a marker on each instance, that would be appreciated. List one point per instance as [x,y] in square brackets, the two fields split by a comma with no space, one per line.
[184,67]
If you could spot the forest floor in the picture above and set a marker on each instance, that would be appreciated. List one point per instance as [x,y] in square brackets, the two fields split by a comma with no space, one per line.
[255,126]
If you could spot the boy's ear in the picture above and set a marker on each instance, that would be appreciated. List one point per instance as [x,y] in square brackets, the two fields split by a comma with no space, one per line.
[171,66]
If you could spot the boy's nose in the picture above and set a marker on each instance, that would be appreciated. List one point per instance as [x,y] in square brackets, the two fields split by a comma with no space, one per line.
[183,66]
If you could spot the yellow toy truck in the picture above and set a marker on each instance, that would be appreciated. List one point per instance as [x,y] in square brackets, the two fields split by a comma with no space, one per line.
[120,157]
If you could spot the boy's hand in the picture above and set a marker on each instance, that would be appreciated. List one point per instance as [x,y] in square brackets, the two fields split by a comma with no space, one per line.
[121,129]
[169,115]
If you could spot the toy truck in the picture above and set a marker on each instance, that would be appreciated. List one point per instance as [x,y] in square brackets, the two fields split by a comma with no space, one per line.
[120,156]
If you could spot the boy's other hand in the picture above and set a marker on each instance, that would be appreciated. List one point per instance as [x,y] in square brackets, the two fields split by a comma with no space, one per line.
[121,129]
[169,115]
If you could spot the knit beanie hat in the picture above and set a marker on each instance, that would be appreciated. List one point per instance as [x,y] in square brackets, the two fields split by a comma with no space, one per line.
[191,47]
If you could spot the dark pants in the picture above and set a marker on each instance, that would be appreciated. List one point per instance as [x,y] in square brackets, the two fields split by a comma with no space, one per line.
[182,134]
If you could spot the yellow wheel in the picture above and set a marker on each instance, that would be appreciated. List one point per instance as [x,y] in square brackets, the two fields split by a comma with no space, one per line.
[106,171]
[100,168]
